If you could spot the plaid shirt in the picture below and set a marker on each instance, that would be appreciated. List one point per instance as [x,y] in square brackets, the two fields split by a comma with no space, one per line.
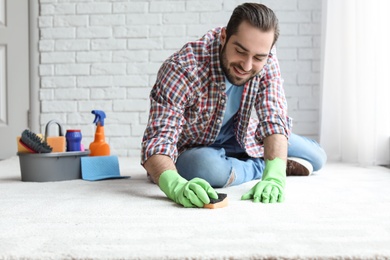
[188,103]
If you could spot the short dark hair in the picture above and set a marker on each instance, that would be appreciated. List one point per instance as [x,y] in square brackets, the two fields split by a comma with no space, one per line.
[257,15]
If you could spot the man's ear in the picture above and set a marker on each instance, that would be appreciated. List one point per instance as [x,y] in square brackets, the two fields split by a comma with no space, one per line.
[223,36]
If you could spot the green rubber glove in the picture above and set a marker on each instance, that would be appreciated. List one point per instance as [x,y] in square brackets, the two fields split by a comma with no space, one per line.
[190,194]
[271,187]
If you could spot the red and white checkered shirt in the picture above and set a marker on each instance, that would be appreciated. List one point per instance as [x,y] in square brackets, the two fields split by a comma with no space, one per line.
[188,102]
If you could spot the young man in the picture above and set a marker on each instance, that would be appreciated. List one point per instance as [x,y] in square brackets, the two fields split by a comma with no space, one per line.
[200,132]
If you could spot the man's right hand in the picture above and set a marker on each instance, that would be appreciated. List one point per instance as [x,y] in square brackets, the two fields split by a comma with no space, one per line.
[190,194]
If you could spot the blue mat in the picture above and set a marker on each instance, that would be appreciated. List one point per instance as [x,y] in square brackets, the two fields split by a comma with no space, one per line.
[95,168]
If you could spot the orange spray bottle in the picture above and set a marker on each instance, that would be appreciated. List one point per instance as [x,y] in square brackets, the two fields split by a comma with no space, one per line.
[99,147]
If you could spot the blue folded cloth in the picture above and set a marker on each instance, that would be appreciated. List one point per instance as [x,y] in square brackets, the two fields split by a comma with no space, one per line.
[94,168]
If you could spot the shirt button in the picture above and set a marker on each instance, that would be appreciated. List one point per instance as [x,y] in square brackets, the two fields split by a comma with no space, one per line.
[218,121]
[222,100]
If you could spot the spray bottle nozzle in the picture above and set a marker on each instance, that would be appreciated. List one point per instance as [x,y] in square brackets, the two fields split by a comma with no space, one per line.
[99,117]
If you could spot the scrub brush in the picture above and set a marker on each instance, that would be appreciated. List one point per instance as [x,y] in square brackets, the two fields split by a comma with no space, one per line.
[34,143]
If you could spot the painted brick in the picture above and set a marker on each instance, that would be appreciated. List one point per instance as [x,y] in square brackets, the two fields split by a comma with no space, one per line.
[72,69]
[45,21]
[221,18]
[295,41]
[130,56]
[94,8]
[287,53]
[46,94]
[123,117]
[125,143]
[72,45]
[125,105]
[58,82]
[58,106]
[309,4]
[312,78]
[309,29]
[118,130]
[292,17]
[108,44]
[281,5]
[46,70]
[174,42]
[142,19]
[71,94]
[305,115]
[131,81]
[131,31]
[106,20]
[288,29]
[291,66]
[138,130]
[46,117]
[108,93]
[58,33]
[204,6]
[316,66]
[167,30]
[78,118]
[108,69]
[94,32]
[145,44]
[195,31]
[298,91]
[70,20]
[58,57]
[316,17]
[93,56]
[167,6]
[143,68]
[130,7]
[309,54]
[309,103]
[181,18]
[160,55]
[144,117]
[56,9]
[105,105]
[308,129]
[138,93]
[94,81]
[46,45]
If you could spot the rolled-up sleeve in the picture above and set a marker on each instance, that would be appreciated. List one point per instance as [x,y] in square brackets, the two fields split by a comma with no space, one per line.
[167,103]
[271,104]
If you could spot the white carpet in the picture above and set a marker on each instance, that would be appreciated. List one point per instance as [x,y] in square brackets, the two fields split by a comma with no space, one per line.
[342,212]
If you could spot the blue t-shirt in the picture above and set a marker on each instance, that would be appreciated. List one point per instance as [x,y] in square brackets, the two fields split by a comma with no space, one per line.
[234,94]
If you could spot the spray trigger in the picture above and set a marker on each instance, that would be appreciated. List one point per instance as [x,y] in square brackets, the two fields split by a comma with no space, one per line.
[99,117]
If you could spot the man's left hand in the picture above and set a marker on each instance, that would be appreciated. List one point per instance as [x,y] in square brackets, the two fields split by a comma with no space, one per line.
[271,188]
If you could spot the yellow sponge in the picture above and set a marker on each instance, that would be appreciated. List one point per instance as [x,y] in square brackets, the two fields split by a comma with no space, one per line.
[21,148]
[58,143]
[221,202]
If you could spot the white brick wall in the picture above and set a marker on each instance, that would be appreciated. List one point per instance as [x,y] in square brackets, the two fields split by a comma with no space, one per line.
[104,54]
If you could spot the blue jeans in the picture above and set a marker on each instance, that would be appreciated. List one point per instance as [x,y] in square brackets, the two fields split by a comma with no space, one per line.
[228,165]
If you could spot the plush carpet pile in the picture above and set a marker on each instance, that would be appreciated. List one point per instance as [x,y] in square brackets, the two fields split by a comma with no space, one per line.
[341,212]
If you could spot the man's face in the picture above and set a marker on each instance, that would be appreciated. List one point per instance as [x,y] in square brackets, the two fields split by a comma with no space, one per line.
[246,53]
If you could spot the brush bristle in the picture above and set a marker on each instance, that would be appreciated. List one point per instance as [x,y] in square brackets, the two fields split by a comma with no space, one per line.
[34,142]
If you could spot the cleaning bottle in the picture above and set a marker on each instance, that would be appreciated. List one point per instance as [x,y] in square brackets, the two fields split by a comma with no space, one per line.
[99,147]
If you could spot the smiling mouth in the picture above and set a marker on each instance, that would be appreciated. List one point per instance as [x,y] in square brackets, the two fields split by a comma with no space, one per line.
[239,71]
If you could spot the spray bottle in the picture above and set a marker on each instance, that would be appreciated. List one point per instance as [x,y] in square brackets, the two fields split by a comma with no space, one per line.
[99,147]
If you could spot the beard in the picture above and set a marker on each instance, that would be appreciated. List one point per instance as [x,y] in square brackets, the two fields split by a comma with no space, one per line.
[228,67]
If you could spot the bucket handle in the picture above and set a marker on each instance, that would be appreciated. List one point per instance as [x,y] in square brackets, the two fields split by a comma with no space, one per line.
[60,128]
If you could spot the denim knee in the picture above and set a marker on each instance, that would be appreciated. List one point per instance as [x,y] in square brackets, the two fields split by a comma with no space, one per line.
[308,149]
[207,163]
